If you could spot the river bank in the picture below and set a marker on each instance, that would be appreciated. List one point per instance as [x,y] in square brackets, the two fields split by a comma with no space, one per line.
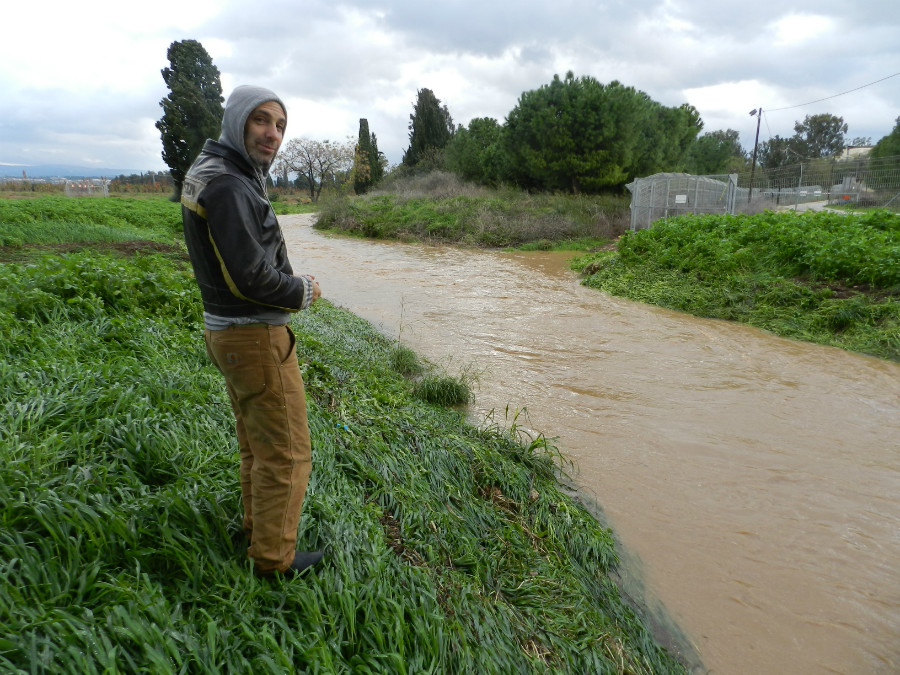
[450,547]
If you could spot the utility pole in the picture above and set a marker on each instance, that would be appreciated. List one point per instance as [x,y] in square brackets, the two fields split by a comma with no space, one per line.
[758,113]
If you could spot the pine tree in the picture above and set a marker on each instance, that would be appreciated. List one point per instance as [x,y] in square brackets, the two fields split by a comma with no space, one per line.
[192,112]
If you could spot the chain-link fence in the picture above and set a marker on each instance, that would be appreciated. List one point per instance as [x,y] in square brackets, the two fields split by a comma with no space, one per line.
[672,194]
[857,183]
[862,183]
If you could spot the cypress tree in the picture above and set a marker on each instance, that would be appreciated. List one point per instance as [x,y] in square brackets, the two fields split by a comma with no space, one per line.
[430,128]
[362,164]
[376,161]
[192,111]
[367,165]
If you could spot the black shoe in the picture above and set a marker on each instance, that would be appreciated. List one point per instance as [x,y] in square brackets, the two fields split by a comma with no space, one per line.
[302,561]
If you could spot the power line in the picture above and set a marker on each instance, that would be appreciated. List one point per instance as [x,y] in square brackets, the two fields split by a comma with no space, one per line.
[790,107]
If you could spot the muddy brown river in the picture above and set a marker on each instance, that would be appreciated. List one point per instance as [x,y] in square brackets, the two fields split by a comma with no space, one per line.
[753,482]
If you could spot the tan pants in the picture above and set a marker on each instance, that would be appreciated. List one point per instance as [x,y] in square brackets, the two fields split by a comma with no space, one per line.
[259,363]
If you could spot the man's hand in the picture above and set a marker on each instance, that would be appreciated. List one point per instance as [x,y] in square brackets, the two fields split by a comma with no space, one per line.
[317,292]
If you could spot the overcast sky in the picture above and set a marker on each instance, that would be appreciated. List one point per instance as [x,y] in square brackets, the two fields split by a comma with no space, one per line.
[80,83]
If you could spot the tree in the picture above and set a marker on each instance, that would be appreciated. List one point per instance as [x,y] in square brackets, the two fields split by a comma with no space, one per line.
[192,111]
[820,136]
[716,152]
[778,152]
[889,146]
[377,161]
[320,163]
[368,163]
[430,128]
[887,154]
[475,153]
[666,136]
[578,135]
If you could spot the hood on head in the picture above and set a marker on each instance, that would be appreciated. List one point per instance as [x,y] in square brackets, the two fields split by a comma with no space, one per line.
[243,101]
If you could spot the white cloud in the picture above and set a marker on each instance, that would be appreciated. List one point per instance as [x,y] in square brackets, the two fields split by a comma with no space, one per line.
[798,30]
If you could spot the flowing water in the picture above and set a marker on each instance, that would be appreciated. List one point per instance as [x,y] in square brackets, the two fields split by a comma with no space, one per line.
[753,482]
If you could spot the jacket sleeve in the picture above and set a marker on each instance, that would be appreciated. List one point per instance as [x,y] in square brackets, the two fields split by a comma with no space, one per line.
[247,247]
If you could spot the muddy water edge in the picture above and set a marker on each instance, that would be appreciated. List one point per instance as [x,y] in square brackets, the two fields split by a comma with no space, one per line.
[753,482]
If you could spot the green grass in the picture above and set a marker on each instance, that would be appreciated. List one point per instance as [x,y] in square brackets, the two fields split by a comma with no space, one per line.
[829,278]
[450,548]
[58,219]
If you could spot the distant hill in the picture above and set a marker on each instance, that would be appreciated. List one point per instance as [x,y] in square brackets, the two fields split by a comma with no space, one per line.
[62,171]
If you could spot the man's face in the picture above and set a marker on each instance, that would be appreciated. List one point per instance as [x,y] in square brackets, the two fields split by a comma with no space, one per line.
[264,132]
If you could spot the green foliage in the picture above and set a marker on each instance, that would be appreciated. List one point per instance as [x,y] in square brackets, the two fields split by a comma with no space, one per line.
[368,163]
[820,135]
[889,146]
[475,216]
[664,141]
[815,137]
[430,128]
[716,152]
[577,135]
[443,390]
[450,548]
[56,219]
[887,152]
[778,152]
[192,111]
[826,277]
[476,153]
[405,361]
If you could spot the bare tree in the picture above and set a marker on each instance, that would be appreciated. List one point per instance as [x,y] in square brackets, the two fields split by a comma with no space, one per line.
[319,162]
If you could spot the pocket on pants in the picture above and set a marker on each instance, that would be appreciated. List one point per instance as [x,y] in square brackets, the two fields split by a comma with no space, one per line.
[290,353]
[240,359]
[284,348]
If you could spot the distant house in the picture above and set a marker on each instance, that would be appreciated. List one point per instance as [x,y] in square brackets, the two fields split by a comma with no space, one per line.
[855,152]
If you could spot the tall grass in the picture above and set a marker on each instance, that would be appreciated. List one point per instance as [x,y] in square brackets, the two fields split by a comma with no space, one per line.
[450,548]
[438,207]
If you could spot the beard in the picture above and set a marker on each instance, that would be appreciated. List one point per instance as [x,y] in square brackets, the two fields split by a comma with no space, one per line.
[260,161]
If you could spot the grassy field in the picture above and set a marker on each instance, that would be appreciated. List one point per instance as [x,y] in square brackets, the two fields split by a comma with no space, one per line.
[829,278]
[450,548]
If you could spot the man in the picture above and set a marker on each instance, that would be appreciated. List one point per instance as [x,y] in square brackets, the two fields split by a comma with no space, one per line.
[249,289]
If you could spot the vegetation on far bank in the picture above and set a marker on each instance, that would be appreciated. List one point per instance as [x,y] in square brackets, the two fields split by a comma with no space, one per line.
[450,548]
[438,207]
[829,278]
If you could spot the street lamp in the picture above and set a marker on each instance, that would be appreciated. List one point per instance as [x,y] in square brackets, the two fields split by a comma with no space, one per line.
[758,113]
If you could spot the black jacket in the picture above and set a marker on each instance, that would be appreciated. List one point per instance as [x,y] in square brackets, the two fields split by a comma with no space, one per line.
[234,240]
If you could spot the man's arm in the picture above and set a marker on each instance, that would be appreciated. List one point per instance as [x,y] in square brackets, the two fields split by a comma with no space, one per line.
[235,228]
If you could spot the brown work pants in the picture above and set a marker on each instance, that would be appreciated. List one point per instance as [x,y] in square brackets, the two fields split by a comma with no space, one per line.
[268,398]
